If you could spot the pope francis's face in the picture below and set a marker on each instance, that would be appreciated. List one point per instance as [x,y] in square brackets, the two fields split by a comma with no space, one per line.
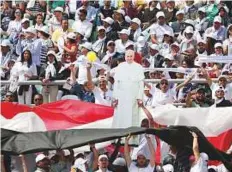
[129,56]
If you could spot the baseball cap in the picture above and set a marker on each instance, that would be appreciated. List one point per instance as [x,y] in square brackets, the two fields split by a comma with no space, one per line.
[5,43]
[160,14]
[179,12]
[9,93]
[175,44]
[31,30]
[40,157]
[217,19]
[201,41]
[59,9]
[102,156]
[109,42]
[108,20]
[129,44]
[25,20]
[225,8]
[119,161]
[80,164]
[136,20]
[154,47]
[66,152]
[86,45]
[80,32]
[168,168]
[188,29]
[204,156]
[71,35]
[124,31]
[218,45]
[222,76]
[169,33]
[120,11]
[51,52]
[44,29]
[169,57]
[189,21]
[202,9]
[101,28]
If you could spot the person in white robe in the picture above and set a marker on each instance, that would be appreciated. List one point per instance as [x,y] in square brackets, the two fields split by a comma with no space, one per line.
[128,91]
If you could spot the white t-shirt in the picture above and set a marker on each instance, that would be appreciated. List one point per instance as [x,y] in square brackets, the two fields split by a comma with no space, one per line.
[14,26]
[159,31]
[228,90]
[81,63]
[102,98]
[134,168]
[160,98]
[120,47]
[200,166]
[83,27]
[20,69]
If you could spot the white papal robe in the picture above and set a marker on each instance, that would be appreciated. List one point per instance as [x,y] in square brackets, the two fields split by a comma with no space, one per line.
[128,87]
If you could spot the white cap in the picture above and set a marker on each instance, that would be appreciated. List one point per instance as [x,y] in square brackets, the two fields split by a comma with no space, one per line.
[175,44]
[189,29]
[44,29]
[81,32]
[217,19]
[6,42]
[146,88]
[87,45]
[80,164]
[169,56]
[124,31]
[119,161]
[71,35]
[102,156]
[222,76]
[218,88]
[51,52]
[189,21]
[170,1]
[129,44]
[120,11]
[40,157]
[225,8]
[24,20]
[110,42]
[66,152]
[202,9]
[101,28]
[169,33]
[141,41]
[218,45]
[179,12]
[168,168]
[136,20]
[31,30]
[201,41]
[59,9]
[108,20]
[204,156]
[160,14]
[154,47]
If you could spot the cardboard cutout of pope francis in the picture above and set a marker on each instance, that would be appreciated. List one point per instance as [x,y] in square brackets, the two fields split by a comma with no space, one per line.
[128,92]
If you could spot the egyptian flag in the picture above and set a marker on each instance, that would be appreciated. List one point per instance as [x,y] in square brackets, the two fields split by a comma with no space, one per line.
[214,123]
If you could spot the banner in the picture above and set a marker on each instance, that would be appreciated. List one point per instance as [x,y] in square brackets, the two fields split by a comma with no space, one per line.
[215,59]
[178,70]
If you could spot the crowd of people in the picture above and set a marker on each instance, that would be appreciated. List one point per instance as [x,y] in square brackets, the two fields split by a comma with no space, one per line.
[85,43]
[50,41]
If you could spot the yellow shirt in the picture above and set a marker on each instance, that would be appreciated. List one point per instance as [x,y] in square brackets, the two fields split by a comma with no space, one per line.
[58,33]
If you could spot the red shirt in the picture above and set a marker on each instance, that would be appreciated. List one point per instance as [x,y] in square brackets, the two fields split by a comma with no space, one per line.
[72,58]
[138,58]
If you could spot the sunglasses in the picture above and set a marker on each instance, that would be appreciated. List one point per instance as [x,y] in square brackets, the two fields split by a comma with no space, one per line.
[164,83]
[38,99]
